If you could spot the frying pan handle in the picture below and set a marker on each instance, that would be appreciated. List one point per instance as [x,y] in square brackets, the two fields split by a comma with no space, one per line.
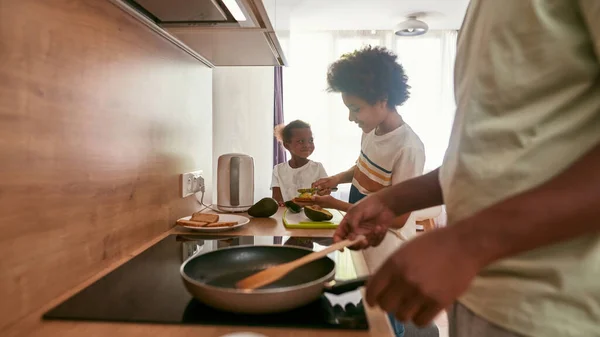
[340,287]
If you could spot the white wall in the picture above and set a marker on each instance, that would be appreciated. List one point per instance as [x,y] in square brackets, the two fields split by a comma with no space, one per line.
[201,141]
[243,120]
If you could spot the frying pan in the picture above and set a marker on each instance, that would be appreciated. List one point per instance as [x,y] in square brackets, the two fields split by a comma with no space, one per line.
[210,277]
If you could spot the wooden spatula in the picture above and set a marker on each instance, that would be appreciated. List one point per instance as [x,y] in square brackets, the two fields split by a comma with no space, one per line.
[273,274]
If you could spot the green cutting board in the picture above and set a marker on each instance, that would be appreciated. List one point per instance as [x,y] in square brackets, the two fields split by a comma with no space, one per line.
[299,220]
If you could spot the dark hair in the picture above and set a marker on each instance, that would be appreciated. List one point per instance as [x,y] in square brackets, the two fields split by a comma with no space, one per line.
[370,73]
[284,133]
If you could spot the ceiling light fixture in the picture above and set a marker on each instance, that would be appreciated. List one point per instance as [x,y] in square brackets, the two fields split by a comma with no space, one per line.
[235,10]
[411,27]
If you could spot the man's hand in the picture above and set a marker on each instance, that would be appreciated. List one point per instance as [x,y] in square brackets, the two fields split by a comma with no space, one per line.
[423,277]
[369,217]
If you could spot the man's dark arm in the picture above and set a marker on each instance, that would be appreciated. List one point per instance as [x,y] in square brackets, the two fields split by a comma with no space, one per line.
[413,194]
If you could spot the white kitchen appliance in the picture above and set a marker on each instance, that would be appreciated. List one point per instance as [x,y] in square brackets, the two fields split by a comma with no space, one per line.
[235,182]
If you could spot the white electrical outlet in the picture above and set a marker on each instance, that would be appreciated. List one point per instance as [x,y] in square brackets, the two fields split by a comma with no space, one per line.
[191,182]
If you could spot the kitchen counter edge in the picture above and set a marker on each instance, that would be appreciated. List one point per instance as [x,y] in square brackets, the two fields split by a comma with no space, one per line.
[33,326]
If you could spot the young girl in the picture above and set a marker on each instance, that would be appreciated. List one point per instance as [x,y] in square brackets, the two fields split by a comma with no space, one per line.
[299,172]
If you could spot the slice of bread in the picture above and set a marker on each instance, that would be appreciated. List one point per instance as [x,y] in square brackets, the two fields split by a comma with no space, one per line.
[221,224]
[302,199]
[205,217]
[192,223]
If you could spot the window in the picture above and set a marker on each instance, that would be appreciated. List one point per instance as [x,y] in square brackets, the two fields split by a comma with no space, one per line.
[428,62]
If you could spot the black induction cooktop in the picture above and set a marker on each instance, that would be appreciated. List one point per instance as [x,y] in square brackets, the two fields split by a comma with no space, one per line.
[149,289]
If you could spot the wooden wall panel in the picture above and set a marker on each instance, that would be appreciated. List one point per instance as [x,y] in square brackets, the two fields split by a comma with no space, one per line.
[98,117]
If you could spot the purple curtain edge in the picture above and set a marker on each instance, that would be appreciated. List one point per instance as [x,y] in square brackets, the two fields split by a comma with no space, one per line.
[279,154]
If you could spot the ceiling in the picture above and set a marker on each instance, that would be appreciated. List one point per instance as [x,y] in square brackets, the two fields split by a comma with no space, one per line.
[362,14]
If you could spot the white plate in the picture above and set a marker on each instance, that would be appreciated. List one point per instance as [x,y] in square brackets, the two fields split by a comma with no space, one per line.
[241,221]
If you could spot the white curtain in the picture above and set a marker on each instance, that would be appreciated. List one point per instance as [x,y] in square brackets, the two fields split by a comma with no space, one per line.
[428,61]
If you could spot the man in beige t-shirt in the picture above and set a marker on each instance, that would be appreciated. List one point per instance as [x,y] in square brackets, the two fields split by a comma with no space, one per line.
[521,183]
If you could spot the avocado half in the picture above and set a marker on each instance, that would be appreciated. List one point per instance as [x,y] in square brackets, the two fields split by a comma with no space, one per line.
[317,213]
[264,208]
[293,207]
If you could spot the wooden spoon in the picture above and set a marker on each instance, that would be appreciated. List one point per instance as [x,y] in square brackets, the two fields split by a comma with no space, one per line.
[273,274]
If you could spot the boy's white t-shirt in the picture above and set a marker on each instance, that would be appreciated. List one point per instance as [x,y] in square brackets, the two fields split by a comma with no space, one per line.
[289,179]
[387,160]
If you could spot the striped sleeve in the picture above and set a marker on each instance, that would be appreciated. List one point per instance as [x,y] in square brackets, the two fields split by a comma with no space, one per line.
[370,177]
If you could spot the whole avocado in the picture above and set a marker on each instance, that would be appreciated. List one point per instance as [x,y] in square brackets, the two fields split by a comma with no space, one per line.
[264,208]
[316,213]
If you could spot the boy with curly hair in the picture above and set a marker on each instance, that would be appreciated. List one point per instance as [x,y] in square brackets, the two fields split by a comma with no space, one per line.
[372,84]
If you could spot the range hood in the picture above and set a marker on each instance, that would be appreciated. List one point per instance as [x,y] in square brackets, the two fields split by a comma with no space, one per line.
[191,12]
[216,32]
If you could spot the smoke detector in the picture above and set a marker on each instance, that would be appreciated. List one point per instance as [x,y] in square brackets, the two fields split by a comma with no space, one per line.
[411,27]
